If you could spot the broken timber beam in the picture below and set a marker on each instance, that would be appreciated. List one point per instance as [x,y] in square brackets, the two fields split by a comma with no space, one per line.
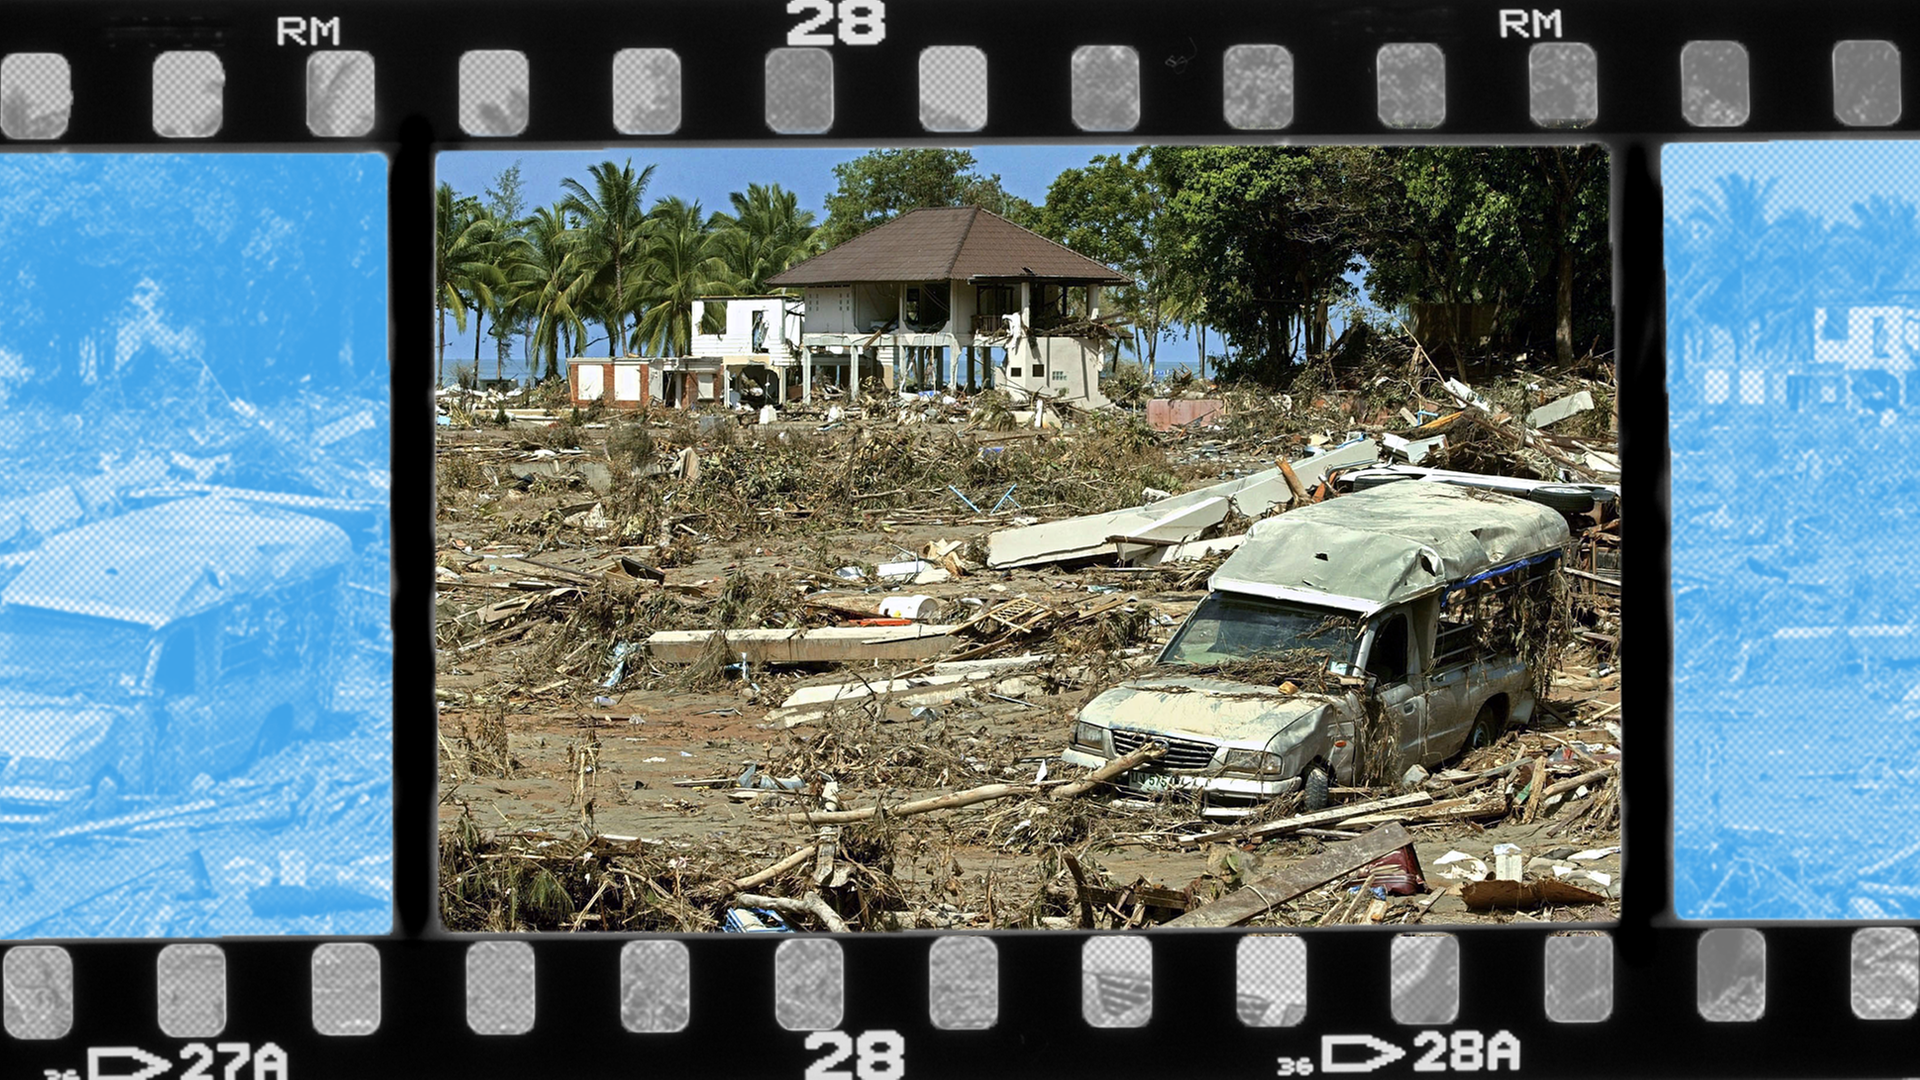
[1310,873]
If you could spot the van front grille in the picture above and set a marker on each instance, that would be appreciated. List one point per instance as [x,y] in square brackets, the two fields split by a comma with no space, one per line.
[1181,753]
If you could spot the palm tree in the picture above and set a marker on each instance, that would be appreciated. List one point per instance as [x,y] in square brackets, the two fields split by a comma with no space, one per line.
[547,284]
[1740,239]
[683,264]
[1876,251]
[611,235]
[766,233]
[461,262]
[503,249]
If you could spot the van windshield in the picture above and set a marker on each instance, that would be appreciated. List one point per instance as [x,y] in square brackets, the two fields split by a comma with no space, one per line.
[58,653]
[1229,629]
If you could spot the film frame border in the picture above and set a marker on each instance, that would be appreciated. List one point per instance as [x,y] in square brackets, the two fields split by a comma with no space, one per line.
[1786,46]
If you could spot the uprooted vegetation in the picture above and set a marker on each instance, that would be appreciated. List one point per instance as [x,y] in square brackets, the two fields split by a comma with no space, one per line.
[591,784]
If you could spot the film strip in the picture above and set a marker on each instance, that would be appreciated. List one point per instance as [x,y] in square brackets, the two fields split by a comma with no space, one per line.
[1764,992]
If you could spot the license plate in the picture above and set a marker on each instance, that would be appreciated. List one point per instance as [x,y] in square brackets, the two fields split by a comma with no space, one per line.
[1152,781]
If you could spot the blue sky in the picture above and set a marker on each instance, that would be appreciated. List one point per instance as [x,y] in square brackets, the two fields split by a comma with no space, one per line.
[709,175]
[1823,176]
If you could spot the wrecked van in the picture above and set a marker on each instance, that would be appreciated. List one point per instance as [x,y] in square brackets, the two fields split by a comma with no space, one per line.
[139,652]
[1344,641]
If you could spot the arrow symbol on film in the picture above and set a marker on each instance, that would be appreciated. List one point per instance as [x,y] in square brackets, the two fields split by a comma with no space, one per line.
[155,1064]
[1384,1053]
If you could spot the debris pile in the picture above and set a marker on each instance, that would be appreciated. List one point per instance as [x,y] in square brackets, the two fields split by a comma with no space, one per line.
[817,672]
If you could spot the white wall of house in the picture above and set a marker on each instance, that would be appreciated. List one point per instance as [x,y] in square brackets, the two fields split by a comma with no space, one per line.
[1880,336]
[830,310]
[782,328]
[1058,368]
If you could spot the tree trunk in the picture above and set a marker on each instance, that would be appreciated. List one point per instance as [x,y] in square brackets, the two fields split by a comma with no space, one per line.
[479,331]
[1203,351]
[440,309]
[1563,305]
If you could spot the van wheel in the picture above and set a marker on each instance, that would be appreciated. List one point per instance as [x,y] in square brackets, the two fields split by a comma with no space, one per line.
[1486,728]
[1319,787]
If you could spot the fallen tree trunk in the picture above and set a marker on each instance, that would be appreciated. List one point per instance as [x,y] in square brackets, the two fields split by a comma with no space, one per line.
[986,793]
[1565,786]
[778,868]
[1256,897]
[1150,752]
[907,809]
[810,904]
[1333,815]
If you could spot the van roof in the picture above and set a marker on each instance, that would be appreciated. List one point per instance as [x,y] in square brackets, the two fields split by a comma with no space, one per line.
[175,560]
[1384,545]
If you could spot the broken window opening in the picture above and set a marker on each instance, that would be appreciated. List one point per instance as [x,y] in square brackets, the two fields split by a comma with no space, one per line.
[1049,302]
[1833,326]
[927,306]
[1492,616]
[991,304]
[759,331]
[175,672]
[1387,661]
[1882,345]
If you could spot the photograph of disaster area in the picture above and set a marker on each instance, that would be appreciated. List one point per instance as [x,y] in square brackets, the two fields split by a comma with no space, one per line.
[1026,537]
[195,639]
[1793,329]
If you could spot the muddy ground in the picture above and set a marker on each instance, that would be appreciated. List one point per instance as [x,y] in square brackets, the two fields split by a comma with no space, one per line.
[575,800]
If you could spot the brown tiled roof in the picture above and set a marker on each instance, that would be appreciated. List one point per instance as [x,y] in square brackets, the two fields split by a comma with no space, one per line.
[939,243]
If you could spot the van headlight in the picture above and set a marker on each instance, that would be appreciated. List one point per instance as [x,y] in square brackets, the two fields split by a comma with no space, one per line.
[1089,736]
[44,771]
[1253,762]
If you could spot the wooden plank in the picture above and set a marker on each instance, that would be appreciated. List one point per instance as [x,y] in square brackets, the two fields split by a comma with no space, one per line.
[1310,873]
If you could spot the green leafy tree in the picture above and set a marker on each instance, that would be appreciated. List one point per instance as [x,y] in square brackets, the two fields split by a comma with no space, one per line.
[1579,214]
[766,233]
[683,263]
[1114,211]
[1265,235]
[1522,231]
[462,262]
[612,240]
[506,200]
[880,185]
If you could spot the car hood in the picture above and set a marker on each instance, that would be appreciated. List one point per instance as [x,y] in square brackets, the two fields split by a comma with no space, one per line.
[1203,707]
[43,726]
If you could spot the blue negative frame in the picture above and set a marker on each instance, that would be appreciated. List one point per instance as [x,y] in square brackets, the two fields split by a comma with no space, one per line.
[195,632]
[1792,335]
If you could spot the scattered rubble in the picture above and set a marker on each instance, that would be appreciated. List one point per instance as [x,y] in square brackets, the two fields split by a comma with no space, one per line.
[816,670]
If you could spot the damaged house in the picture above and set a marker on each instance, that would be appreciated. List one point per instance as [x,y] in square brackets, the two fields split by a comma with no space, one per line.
[1850,351]
[954,297]
[744,348]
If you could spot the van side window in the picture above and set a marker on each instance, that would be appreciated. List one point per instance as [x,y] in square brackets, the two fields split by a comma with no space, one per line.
[1483,619]
[1388,660]
[260,632]
[174,675]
